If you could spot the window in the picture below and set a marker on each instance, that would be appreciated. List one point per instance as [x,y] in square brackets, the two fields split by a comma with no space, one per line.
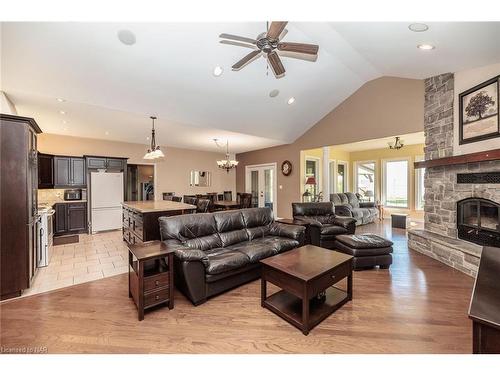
[365,180]
[419,185]
[341,177]
[395,189]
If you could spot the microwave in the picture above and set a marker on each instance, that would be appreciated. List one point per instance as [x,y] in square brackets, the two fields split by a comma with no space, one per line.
[73,195]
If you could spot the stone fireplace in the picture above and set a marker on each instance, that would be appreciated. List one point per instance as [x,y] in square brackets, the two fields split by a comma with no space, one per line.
[462,201]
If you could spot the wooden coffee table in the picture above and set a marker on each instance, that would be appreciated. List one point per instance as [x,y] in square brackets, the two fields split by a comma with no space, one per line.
[304,274]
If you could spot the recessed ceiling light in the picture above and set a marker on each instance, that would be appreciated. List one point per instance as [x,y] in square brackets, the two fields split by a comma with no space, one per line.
[106,133]
[274,93]
[291,100]
[62,112]
[418,27]
[127,37]
[218,71]
[425,47]
[60,100]
[65,129]
[64,122]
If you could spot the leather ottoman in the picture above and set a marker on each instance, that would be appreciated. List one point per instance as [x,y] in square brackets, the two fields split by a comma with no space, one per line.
[368,250]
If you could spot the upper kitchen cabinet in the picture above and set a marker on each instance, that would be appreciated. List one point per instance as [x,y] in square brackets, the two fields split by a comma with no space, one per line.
[69,172]
[99,162]
[45,171]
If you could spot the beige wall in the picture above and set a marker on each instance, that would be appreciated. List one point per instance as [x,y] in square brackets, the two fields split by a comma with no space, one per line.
[6,106]
[465,80]
[383,107]
[170,175]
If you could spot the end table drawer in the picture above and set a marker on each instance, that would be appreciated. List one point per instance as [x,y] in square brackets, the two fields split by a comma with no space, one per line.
[161,295]
[157,281]
[330,278]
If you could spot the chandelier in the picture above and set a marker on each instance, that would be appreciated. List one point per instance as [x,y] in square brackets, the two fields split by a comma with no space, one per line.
[226,163]
[154,153]
[397,144]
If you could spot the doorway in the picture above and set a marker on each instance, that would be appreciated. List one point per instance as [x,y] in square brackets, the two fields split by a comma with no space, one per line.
[140,182]
[261,182]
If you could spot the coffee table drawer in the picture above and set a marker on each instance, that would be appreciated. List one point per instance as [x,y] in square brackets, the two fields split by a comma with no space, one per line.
[330,278]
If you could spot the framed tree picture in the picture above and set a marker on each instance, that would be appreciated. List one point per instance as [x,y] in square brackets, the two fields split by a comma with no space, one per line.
[479,112]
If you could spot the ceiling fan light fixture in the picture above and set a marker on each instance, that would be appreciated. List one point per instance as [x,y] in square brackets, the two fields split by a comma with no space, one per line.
[418,27]
[218,70]
[291,101]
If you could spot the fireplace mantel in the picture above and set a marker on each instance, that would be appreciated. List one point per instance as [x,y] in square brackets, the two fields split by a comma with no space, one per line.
[460,159]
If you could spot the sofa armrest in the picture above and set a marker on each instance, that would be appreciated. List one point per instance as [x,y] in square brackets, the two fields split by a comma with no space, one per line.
[343,210]
[307,221]
[295,232]
[346,222]
[184,253]
[367,204]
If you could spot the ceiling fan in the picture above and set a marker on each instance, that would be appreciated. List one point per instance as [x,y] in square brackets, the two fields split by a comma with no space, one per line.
[267,43]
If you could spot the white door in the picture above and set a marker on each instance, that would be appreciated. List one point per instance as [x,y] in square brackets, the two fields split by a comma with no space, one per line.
[261,182]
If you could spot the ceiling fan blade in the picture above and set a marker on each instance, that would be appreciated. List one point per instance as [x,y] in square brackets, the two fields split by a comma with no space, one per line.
[299,56]
[252,46]
[308,49]
[247,59]
[238,38]
[275,63]
[283,33]
[275,29]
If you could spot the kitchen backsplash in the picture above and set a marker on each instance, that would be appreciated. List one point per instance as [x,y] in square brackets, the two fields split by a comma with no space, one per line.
[51,196]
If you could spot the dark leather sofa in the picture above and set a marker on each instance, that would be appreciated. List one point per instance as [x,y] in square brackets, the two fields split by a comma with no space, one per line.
[217,251]
[323,225]
[348,204]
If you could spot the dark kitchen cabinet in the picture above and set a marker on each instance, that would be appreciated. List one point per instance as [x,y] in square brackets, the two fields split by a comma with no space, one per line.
[99,162]
[70,218]
[69,172]
[45,171]
[18,216]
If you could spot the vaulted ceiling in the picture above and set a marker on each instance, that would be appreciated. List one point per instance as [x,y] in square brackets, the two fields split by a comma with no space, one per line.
[110,89]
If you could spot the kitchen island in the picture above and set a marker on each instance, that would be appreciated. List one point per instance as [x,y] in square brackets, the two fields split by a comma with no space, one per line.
[140,218]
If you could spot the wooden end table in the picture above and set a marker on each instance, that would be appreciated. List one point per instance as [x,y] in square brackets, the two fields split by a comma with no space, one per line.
[151,275]
[306,275]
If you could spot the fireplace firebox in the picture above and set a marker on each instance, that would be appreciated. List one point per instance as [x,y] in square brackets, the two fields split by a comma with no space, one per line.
[478,221]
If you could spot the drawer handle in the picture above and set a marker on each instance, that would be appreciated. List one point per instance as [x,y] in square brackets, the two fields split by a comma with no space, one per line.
[157,282]
[157,297]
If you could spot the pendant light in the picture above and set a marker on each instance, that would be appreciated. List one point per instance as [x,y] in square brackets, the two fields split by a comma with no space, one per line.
[397,144]
[154,153]
[226,163]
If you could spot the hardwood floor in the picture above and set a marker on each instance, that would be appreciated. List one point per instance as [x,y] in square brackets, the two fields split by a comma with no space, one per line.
[418,306]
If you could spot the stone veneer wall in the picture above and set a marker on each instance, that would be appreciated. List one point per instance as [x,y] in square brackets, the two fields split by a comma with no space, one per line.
[439,237]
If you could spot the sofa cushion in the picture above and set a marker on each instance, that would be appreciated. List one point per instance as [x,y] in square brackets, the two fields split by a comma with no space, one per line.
[316,209]
[204,243]
[353,200]
[278,244]
[223,259]
[227,221]
[184,227]
[232,237]
[339,199]
[258,232]
[332,230]
[257,217]
[254,250]
[364,241]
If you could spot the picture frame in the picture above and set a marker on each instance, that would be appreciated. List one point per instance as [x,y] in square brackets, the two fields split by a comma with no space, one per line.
[479,112]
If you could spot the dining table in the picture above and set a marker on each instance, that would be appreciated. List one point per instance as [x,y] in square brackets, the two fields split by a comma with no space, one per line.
[227,205]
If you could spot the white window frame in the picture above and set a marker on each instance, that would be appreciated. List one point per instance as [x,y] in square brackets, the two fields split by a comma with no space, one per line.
[418,173]
[346,174]
[332,176]
[318,170]
[408,182]
[355,171]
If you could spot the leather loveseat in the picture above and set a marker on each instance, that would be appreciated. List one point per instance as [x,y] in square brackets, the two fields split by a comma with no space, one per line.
[217,251]
[348,204]
[322,223]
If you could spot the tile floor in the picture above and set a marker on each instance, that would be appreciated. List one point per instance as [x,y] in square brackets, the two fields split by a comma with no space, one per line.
[94,257]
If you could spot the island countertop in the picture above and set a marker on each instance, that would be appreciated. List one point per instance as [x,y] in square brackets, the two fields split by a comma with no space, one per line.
[157,206]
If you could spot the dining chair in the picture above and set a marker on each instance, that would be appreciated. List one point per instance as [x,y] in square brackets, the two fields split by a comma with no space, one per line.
[202,205]
[177,199]
[167,197]
[228,195]
[245,200]
[190,200]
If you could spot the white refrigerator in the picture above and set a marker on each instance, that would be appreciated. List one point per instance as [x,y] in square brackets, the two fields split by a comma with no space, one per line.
[106,197]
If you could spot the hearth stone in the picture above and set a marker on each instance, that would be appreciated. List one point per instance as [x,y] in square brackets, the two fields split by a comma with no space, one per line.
[461,255]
